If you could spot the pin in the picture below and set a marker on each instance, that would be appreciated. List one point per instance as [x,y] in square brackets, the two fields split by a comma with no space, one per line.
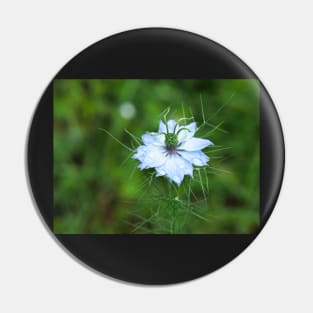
[186,200]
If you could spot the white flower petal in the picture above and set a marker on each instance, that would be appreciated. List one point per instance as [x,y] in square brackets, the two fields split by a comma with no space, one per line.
[171,126]
[184,166]
[140,153]
[173,172]
[198,158]
[194,144]
[162,127]
[187,133]
[153,138]
[154,156]
[160,171]
[175,168]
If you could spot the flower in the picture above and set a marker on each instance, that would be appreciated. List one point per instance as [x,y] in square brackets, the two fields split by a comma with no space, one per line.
[172,151]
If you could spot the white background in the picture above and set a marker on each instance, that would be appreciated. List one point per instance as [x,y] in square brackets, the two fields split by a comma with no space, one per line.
[275,39]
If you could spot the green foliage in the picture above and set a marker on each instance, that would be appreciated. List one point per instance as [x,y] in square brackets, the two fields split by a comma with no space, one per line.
[97,186]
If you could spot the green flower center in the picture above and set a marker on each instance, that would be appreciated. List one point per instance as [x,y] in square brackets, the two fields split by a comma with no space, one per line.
[171,142]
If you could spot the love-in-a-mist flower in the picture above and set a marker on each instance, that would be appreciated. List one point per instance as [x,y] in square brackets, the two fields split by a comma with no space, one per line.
[172,151]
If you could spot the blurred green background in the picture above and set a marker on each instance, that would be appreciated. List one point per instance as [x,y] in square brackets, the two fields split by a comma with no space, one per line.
[97,187]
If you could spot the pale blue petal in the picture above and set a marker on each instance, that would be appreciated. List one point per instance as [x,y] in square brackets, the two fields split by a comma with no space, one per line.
[173,172]
[184,166]
[197,158]
[155,156]
[175,168]
[162,127]
[140,153]
[160,170]
[153,138]
[171,126]
[194,144]
[187,133]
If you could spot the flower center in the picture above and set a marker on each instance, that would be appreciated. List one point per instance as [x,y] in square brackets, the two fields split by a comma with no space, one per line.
[171,142]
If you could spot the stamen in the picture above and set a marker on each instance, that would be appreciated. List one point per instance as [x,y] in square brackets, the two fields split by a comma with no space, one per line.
[184,128]
[171,142]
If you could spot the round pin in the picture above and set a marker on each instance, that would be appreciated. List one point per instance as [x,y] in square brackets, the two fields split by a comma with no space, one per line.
[155,156]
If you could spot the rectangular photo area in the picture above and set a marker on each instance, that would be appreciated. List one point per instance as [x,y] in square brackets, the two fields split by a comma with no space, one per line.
[156,156]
